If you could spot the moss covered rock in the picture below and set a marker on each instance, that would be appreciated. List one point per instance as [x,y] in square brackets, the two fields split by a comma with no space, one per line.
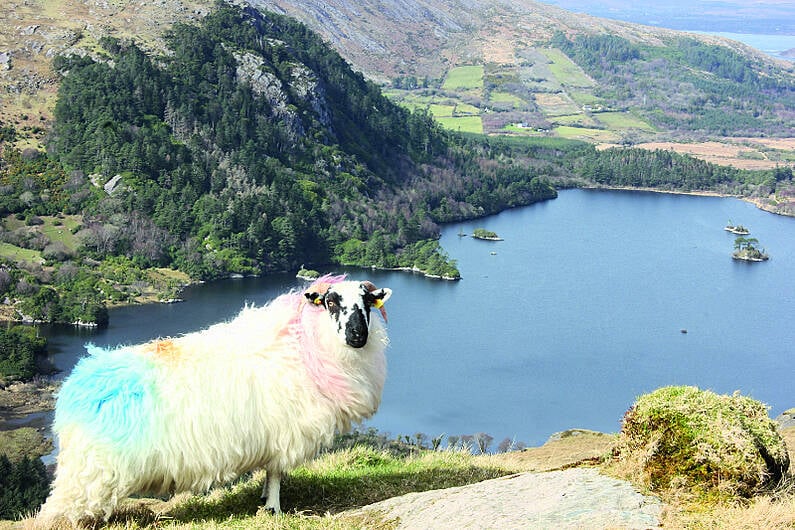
[683,437]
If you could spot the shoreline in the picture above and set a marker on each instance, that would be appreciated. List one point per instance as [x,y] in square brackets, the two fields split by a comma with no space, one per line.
[699,193]
[22,400]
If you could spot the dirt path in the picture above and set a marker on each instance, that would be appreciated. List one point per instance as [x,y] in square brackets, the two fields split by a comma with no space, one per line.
[574,498]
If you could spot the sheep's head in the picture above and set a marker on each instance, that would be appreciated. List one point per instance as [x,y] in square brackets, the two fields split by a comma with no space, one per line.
[348,304]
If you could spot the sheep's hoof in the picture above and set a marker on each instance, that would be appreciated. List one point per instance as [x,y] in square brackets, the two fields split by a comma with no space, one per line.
[266,510]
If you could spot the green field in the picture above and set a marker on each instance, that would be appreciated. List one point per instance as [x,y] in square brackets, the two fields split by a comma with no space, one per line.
[565,71]
[464,109]
[464,78]
[584,98]
[61,230]
[580,120]
[470,124]
[622,120]
[582,133]
[18,254]
[505,97]
[441,111]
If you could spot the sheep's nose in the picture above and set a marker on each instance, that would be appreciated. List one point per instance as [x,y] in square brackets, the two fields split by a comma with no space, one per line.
[356,330]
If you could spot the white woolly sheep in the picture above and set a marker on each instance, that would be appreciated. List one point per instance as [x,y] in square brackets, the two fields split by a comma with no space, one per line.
[265,390]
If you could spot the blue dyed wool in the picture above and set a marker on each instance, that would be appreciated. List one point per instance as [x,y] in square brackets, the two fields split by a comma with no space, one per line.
[111,394]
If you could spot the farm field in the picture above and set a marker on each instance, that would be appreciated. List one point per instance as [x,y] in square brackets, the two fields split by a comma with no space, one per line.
[622,121]
[505,97]
[441,111]
[586,134]
[464,78]
[579,120]
[469,124]
[565,71]
[552,97]
[552,105]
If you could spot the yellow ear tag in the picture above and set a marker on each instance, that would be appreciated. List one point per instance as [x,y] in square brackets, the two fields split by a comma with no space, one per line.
[378,304]
[318,301]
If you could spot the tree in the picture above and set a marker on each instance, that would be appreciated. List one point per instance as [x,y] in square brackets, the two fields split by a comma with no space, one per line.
[19,346]
[24,486]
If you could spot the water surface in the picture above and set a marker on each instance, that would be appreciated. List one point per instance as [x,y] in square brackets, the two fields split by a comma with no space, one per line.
[561,325]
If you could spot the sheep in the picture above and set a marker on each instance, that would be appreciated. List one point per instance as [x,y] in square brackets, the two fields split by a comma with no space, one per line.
[264,390]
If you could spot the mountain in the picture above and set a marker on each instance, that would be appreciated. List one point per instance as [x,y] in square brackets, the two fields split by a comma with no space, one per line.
[662,85]
[671,86]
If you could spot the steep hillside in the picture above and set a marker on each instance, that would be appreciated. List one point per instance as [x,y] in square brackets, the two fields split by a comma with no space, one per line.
[32,32]
[385,39]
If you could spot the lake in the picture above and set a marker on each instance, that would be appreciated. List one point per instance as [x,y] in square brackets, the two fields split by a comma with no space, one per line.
[561,325]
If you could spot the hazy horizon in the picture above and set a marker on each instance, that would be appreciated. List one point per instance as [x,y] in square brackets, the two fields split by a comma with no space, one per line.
[766,17]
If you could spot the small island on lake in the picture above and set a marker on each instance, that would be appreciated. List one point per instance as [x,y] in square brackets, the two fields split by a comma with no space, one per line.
[307,274]
[746,249]
[488,235]
[740,230]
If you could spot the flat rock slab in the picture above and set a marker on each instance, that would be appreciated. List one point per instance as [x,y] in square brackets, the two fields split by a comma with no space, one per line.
[574,498]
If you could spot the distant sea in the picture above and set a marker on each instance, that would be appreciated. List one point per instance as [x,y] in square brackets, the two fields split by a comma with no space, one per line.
[773,45]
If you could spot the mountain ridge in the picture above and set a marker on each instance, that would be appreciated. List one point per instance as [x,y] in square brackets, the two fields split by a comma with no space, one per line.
[375,41]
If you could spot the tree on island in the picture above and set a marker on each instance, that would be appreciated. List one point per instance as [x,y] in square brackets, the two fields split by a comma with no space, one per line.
[746,248]
[482,233]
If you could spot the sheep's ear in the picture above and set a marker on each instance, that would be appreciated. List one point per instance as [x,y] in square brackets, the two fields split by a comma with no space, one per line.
[381,296]
[315,298]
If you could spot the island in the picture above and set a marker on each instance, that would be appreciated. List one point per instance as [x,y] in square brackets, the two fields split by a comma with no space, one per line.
[737,229]
[746,249]
[488,235]
[307,274]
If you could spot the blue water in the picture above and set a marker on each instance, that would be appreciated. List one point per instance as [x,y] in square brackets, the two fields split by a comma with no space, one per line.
[774,45]
[561,325]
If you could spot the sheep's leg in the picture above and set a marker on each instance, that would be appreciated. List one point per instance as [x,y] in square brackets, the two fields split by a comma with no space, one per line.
[270,491]
[84,485]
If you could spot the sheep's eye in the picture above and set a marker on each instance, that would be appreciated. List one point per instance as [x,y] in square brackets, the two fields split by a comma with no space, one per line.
[330,303]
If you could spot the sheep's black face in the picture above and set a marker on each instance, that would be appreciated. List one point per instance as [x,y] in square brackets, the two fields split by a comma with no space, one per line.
[349,305]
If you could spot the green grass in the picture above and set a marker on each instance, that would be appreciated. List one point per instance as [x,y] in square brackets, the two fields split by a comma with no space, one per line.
[468,124]
[464,78]
[314,495]
[565,71]
[582,133]
[18,254]
[465,108]
[441,111]
[505,97]
[57,229]
[622,121]
[584,98]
